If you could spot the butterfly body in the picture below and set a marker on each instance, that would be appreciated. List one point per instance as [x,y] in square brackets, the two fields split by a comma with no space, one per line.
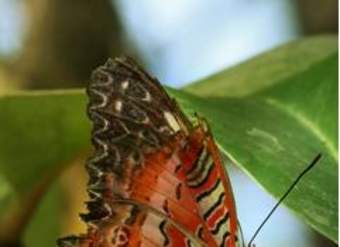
[155,178]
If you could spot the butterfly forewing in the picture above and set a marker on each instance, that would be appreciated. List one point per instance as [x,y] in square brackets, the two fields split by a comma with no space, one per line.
[155,179]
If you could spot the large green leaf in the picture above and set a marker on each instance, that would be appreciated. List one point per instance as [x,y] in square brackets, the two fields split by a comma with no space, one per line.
[271,129]
[273,137]
[294,84]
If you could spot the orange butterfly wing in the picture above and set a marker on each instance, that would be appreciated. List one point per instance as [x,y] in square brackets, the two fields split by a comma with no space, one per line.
[155,179]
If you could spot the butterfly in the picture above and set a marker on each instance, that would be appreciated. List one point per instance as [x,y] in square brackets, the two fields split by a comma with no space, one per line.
[156,178]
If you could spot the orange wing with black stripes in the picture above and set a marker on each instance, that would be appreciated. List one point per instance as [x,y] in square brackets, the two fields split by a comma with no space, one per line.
[155,178]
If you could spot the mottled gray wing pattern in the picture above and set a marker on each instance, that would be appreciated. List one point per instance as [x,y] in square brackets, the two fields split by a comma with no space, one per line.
[130,109]
[132,115]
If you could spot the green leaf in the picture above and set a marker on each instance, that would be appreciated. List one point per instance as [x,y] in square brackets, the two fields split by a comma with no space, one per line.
[41,131]
[271,115]
[272,124]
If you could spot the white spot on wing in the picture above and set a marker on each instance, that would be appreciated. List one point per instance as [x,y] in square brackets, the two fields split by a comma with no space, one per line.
[147,97]
[172,121]
[148,228]
[118,105]
[125,85]
[108,208]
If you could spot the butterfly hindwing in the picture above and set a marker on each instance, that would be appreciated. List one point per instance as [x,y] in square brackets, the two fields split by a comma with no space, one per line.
[210,187]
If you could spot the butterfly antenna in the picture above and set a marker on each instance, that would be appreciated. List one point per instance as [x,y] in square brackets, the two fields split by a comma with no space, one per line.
[241,233]
[307,169]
